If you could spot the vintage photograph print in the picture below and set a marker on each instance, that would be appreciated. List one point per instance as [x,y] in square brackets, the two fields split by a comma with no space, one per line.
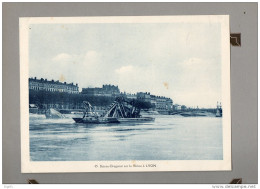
[121,94]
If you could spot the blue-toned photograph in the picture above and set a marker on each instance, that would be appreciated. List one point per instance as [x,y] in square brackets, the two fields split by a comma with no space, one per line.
[125,91]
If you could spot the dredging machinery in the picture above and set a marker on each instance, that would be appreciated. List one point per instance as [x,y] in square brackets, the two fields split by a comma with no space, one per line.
[91,116]
[125,110]
[121,110]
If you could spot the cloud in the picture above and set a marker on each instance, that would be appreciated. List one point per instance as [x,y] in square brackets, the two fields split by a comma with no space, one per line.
[180,61]
[193,81]
[82,68]
[91,57]
[88,68]
[62,57]
[199,82]
[141,79]
[125,69]
[193,62]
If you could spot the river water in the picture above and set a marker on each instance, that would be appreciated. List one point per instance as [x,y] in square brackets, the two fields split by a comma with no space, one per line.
[168,138]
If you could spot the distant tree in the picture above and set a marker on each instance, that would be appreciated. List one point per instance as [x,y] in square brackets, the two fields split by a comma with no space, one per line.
[47,97]
[141,104]
[183,107]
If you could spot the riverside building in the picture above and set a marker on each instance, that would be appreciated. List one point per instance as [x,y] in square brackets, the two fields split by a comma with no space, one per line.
[106,90]
[52,86]
[160,103]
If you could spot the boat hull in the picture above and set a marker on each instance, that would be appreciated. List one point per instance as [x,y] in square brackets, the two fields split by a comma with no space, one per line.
[141,119]
[96,121]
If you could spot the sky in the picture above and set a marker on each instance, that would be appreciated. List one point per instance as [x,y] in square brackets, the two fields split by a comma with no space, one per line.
[177,60]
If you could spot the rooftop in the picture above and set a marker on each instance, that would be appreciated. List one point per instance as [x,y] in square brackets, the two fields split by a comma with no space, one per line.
[51,81]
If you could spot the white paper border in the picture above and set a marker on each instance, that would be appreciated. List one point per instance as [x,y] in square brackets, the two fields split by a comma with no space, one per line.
[28,166]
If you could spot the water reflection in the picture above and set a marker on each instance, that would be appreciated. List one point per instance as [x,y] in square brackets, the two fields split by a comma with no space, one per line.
[168,138]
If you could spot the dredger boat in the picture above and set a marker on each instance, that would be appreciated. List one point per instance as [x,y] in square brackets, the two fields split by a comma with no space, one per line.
[120,111]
